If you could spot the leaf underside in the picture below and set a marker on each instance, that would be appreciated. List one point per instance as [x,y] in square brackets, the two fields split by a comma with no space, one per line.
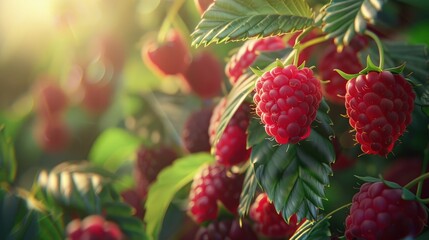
[344,18]
[247,194]
[238,20]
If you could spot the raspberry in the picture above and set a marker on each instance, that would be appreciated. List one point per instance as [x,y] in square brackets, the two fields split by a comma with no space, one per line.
[248,53]
[150,161]
[379,106]
[52,134]
[168,58]
[50,98]
[93,227]
[268,222]
[135,199]
[228,229]
[97,95]
[379,212]
[405,169]
[231,148]
[195,132]
[202,5]
[287,100]
[346,61]
[204,75]
[211,184]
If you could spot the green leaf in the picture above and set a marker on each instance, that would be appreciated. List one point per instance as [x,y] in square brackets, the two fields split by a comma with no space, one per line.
[243,87]
[121,213]
[113,148]
[7,158]
[344,18]
[313,230]
[168,183]
[238,20]
[249,188]
[416,59]
[255,133]
[294,175]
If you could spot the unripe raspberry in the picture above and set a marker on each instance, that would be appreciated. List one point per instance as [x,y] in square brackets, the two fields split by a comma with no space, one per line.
[379,106]
[347,61]
[248,53]
[379,213]
[270,223]
[195,133]
[212,184]
[226,230]
[231,148]
[287,100]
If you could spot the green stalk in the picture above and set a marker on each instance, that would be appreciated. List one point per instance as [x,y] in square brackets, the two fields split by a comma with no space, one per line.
[171,14]
[332,213]
[313,42]
[424,167]
[379,46]
[417,180]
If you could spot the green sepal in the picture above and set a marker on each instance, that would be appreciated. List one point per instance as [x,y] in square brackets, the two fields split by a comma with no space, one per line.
[279,63]
[370,67]
[257,72]
[346,76]
[396,70]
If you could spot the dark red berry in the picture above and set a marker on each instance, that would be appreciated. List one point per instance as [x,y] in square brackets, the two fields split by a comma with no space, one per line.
[231,148]
[135,199]
[228,229]
[287,100]
[379,213]
[74,230]
[346,61]
[97,95]
[204,75]
[248,53]
[379,106]
[195,132]
[150,161]
[268,222]
[212,184]
[167,58]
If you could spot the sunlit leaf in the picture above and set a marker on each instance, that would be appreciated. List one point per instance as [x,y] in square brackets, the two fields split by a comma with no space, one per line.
[344,18]
[113,148]
[168,183]
[249,189]
[238,20]
[313,230]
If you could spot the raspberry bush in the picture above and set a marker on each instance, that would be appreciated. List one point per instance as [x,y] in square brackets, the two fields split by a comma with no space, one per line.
[226,119]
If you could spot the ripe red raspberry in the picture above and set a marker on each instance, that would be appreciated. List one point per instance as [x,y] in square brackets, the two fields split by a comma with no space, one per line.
[248,53]
[202,5]
[150,161]
[287,100]
[231,148]
[212,184]
[347,61]
[168,58]
[195,132]
[405,169]
[379,212]
[93,227]
[228,229]
[379,106]
[52,134]
[97,95]
[50,98]
[204,75]
[268,222]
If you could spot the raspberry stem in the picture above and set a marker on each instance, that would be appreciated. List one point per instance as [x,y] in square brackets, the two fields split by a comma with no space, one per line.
[417,180]
[379,46]
[332,213]
[424,167]
[171,14]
